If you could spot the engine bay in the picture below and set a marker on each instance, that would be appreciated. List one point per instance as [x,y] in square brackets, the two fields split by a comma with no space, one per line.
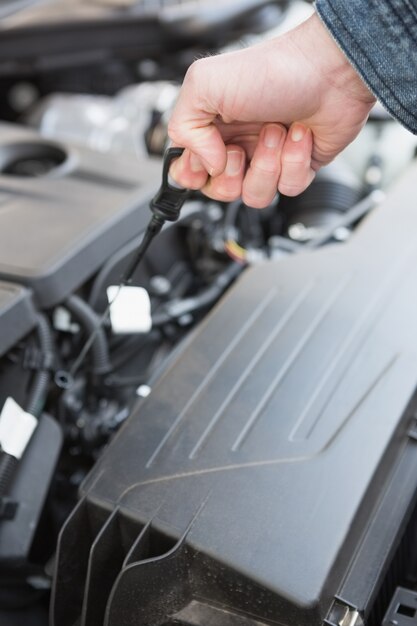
[228,470]
[240,447]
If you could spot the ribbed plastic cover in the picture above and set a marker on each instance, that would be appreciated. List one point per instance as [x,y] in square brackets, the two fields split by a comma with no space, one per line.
[241,490]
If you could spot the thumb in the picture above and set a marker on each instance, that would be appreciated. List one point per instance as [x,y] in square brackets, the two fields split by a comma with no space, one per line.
[192,124]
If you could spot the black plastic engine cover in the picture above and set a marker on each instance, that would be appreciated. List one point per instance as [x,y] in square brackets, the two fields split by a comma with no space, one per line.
[248,485]
[17,315]
[64,210]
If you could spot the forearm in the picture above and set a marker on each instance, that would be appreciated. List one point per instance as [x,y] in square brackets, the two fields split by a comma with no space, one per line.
[380,39]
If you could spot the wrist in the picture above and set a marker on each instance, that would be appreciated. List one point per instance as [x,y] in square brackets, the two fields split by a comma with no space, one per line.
[317,44]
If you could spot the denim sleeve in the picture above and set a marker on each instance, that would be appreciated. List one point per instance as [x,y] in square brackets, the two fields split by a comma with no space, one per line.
[379,37]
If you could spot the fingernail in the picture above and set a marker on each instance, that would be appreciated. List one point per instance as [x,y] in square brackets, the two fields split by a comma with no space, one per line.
[298,133]
[272,137]
[195,164]
[234,163]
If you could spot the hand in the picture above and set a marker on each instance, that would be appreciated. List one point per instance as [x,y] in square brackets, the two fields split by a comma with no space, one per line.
[267,117]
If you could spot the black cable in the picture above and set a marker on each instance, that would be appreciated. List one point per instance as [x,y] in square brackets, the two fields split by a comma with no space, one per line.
[100,281]
[153,229]
[39,389]
[176,309]
[90,321]
[8,466]
[124,381]
[251,229]
[253,219]
[230,217]
[357,212]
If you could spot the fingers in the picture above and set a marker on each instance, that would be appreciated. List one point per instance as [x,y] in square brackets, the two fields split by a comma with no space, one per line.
[281,160]
[261,180]
[188,171]
[296,170]
[228,185]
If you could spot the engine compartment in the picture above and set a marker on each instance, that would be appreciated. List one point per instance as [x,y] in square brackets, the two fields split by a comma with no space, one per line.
[248,455]
[235,487]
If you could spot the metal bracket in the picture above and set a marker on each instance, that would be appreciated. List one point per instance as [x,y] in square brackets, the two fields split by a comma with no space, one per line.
[343,614]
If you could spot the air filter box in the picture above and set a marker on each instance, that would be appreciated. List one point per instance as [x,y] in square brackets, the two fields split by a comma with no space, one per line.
[270,475]
[64,210]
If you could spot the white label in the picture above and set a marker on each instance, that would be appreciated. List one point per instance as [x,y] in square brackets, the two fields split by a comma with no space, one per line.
[16,428]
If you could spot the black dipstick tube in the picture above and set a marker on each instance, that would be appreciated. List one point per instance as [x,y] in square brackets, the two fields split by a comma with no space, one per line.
[165,206]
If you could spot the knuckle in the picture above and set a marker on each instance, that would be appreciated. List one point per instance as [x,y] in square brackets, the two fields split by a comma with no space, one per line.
[265,167]
[194,73]
[226,195]
[295,158]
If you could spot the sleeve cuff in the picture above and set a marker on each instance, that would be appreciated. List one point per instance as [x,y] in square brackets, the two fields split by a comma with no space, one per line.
[380,40]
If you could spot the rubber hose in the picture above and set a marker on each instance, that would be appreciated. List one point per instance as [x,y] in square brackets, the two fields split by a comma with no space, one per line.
[8,465]
[40,386]
[91,323]
[176,309]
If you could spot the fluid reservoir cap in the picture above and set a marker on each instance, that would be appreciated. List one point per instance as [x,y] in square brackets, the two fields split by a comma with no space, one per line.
[130,309]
